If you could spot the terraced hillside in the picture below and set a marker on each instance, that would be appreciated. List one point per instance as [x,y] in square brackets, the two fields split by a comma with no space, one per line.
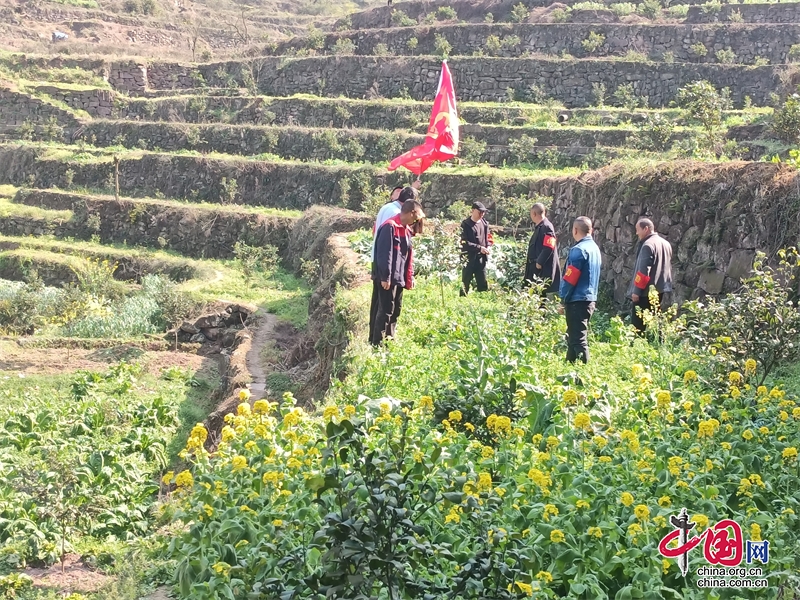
[187,196]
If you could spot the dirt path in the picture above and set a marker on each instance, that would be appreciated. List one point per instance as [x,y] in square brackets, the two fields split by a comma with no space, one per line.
[263,333]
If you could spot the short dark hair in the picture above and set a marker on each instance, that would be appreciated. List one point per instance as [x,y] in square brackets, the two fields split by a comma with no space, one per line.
[539,209]
[644,222]
[410,206]
[408,193]
[584,225]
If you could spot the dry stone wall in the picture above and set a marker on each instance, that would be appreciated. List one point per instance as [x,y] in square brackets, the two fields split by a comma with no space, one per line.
[788,12]
[17,108]
[715,216]
[748,42]
[191,231]
[479,79]
[96,102]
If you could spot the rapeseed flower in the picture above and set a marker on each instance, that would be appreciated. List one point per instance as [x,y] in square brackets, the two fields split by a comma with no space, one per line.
[582,421]
[595,532]
[544,576]
[626,498]
[689,376]
[789,454]
[557,536]
[570,397]
[642,512]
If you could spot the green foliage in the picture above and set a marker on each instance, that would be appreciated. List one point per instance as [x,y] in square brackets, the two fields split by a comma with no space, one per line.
[655,133]
[380,50]
[344,46]
[626,97]
[401,19]
[726,56]
[735,16]
[561,15]
[668,57]
[228,190]
[678,11]
[704,104]
[699,49]
[412,43]
[519,13]
[757,322]
[315,38]
[441,255]
[794,53]
[441,45]
[256,259]
[492,45]
[488,18]
[593,42]
[522,150]
[472,151]
[712,7]
[650,9]
[786,121]
[599,94]
[446,13]
[623,9]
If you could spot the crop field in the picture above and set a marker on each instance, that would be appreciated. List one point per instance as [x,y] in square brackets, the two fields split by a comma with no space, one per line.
[189,404]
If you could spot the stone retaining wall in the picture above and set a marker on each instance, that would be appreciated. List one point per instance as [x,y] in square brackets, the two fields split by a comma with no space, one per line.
[479,79]
[96,102]
[197,232]
[17,108]
[788,12]
[351,145]
[747,41]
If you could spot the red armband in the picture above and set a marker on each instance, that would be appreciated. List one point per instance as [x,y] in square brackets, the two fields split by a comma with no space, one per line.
[572,275]
[641,280]
[549,242]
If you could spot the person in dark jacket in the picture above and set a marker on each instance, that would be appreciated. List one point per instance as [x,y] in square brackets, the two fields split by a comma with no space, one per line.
[476,239]
[393,269]
[579,288]
[653,268]
[542,260]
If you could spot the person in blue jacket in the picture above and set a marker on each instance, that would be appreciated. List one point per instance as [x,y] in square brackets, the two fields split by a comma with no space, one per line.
[579,288]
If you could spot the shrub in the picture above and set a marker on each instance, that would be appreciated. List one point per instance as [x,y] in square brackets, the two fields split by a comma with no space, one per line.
[256,259]
[726,56]
[712,7]
[599,94]
[626,97]
[345,24]
[703,104]
[794,53]
[511,41]
[446,13]
[650,9]
[735,16]
[699,49]
[401,19]
[560,15]
[412,43]
[634,56]
[148,7]
[131,6]
[668,57]
[228,190]
[344,46]
[472,151]
[519,14]
[678,11]
[760,61]
[380,50]
[756,321]
[441,45]
[623,9]
[655,133]
[593,42]
[428,19]
[522,149]
[492,45]
[315,39]
[535,94]
[786,121]
[488,18]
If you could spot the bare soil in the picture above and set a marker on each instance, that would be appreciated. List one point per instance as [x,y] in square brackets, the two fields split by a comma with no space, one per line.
[76,577]
[48,361]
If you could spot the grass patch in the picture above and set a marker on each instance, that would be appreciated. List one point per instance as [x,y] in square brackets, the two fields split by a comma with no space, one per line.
[10,209]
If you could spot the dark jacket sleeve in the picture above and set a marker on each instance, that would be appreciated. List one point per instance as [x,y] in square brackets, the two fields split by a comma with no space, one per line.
[383,252]
[546,253]
[468,241]
[530,259]
[643,263]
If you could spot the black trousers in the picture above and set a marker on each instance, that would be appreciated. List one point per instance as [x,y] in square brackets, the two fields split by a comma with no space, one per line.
[387,311]
[578,315]
[475,267]
[643,304]
[373,306]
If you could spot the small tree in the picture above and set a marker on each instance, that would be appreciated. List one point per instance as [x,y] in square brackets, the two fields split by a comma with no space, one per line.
[703,104]
[786,121]
[444,254]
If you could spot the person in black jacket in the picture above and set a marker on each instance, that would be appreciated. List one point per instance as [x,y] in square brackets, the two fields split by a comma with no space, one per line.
[393,269]
[542,261]
[476,239]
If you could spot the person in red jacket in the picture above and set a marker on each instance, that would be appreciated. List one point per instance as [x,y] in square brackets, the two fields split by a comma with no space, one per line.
[393,269]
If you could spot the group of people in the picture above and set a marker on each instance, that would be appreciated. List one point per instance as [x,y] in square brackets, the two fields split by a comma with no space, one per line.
[393,271]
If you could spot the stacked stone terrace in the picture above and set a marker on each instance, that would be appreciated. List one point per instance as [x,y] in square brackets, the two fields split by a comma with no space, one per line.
[545,90]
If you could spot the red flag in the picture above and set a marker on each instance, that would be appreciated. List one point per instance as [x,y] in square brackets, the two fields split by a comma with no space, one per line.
[441,140]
